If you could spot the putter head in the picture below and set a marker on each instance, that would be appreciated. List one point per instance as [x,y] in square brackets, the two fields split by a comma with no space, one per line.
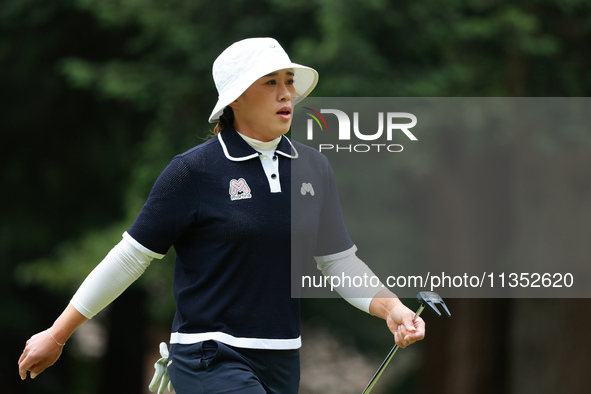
[430,298]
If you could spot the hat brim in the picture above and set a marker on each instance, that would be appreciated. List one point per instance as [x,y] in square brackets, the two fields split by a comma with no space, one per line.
[305,79]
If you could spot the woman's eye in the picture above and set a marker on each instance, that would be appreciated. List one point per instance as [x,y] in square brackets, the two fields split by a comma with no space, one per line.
[274,82]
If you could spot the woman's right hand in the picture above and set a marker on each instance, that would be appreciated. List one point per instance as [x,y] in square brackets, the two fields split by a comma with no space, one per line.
[41,352]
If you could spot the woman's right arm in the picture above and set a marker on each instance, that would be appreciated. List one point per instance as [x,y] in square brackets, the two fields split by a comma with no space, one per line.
[160,222]
[119,269]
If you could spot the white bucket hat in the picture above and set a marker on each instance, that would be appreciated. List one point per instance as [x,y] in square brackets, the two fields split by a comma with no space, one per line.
[243,62]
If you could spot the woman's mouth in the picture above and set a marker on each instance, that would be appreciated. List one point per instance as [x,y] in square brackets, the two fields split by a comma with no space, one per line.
[284,113]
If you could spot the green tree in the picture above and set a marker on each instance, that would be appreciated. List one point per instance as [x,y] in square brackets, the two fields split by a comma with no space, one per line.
[99,95]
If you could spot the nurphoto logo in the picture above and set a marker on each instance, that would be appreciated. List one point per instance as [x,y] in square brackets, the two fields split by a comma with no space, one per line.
[389,123]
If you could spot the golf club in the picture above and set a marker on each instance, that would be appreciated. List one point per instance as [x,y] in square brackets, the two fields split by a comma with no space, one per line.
[426,298]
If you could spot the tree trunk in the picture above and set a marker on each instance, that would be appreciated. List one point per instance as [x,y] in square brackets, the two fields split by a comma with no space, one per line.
[530,207]
[550,347]
[467,204]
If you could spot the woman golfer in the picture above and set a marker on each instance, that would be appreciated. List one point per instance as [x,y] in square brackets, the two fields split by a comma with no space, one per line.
[228,209]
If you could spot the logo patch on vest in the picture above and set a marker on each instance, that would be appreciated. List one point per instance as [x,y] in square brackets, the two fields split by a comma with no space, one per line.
[239,189]
[307,188]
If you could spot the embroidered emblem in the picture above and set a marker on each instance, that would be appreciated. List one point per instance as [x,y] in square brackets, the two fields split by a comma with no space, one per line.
[239,189]
[307,188]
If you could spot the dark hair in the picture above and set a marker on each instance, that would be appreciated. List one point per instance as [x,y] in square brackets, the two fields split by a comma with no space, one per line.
[226,119]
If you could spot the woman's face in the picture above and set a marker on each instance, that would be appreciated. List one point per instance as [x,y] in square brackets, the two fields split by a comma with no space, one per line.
[264,110]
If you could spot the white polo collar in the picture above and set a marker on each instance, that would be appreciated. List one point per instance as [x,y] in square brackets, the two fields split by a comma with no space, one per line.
[237,149]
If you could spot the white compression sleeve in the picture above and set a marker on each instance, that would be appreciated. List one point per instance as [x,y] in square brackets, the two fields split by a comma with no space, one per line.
[351,266]
[119,269]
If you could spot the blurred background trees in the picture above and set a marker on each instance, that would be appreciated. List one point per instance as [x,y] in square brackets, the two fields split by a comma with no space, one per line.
[97,96]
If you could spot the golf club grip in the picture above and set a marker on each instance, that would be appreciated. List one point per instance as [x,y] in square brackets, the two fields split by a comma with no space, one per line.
[385,363]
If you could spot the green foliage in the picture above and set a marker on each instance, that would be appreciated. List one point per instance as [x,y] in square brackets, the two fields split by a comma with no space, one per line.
[99,95]
[367,48]
[361,48]
[70,262]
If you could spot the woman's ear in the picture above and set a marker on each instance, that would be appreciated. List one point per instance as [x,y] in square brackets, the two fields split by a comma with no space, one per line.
[234,105]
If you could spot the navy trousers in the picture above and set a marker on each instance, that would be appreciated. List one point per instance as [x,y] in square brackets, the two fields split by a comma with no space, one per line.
[214,368]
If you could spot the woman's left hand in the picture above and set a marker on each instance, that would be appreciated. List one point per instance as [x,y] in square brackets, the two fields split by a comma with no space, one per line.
[406,330]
